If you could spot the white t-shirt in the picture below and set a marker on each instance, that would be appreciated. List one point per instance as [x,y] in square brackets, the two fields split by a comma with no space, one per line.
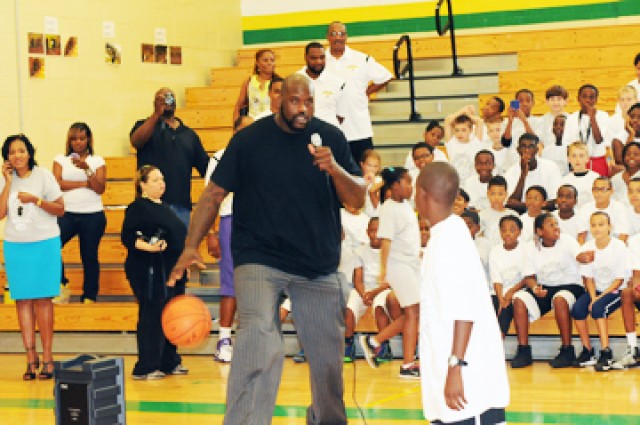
[347,262]
[226,208]
[609,264]
[634,251]
[369,259]
[578,127]
[462,155]
[410,165]
[620,188]
[357,70]
[490,223]
[450,292]
[499,157]
[571,227]
[557,155]
[583,184]
[617,214]
[555,265]
[528,221]
[507,265]
[616,129]
[546,129]
[28,222]
[82,199]
[399,224]
[355,228]
[484,245]
[477,192]
[328,96]
[546,175]
[517,130]
[633,219]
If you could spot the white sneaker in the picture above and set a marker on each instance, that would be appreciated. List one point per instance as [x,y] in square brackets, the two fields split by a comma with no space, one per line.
[224,351]
[151,376]
[627,360]
[179,370]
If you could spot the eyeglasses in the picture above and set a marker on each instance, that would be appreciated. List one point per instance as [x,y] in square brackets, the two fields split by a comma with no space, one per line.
[338,33]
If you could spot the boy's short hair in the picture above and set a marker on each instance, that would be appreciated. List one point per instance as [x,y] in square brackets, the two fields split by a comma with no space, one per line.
[602,179]
[472,215]
[497,181]
[484,152]
[541,190]
[629,146]
[275,79]
[500,103]
[539,220]
[513,218]
[465,195]
[528,136]
[573,188]
[556,90]
[373,219]
[589,86]
[634,106]
[529,92]
[602,213]
[577,145]
[370,153]
[433,124]
[463,119]
[636,60]
[312,45]
[496,119]
[628,89]
[421,145]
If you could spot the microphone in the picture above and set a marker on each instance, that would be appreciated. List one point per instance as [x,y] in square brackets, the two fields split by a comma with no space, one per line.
[316,140]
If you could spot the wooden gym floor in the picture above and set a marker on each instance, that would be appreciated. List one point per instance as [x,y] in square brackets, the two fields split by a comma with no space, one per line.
[539,395]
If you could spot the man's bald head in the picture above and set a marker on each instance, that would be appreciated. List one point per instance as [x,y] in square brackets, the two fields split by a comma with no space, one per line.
[294,82]
[296,107]
[440,181]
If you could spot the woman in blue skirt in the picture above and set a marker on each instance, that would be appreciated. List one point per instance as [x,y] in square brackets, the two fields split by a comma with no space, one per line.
[31,200]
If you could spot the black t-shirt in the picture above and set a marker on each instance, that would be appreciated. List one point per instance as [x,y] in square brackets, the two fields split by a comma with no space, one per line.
[285,210]
[175,153]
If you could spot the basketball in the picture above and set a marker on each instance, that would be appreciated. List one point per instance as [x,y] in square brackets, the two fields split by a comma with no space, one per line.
[186,321]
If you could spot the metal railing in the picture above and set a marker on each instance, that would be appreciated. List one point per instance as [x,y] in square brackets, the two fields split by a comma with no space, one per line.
[405,39]
[442,30]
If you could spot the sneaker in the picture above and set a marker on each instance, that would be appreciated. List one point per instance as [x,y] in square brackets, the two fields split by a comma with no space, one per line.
[628,360]
[371,353]
[179,370]
[349,352]
[385,353]
[300,357]
[605,361]
[565,358]
[224,351]
[151,376]
[586,358]
[63,298]
[88,301]
[411,372]
[522,358]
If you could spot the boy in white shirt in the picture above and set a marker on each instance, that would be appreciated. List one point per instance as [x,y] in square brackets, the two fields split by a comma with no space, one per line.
[556,99]
[476,185]
[464,144]
[589,125]
[633,210]
[432,136]
[489,218]
[555,151]
[493,143]
[519,122]
[617,133]
[580,177]
[602,192]
[535,200]
[483,245]
[631,134]
[568,220]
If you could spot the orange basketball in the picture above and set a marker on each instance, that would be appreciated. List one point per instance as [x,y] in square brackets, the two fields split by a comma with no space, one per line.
[186,321]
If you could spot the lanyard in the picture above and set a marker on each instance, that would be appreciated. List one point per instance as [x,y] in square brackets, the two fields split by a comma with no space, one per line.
[583,138]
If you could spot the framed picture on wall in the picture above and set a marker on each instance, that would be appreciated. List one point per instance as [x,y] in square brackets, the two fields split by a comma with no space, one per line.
[36,67]
[71,47]
[35,43]
[175,53]
[54,47]
[160,51]
[147,53]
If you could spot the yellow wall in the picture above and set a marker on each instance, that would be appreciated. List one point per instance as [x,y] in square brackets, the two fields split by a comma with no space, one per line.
[109,98]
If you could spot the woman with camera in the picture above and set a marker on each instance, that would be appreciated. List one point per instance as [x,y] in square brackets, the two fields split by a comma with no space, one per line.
[154,237]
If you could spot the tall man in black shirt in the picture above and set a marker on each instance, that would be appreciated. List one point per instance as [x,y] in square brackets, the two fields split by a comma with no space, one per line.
[164,141]
[286,237]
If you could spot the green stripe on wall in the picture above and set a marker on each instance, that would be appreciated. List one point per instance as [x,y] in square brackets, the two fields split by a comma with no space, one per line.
[483,20]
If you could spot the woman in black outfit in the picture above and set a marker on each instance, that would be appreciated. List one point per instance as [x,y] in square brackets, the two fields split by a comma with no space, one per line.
[154,237]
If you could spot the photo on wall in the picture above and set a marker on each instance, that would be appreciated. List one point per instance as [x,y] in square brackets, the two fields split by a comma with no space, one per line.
[147,53]
[71,47]
[36,43]
[175,52]
[53,45]
[160,53]
[112,53]
[36,67]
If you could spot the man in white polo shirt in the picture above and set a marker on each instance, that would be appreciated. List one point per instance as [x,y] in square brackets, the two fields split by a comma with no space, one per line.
[328,89]
[357,69]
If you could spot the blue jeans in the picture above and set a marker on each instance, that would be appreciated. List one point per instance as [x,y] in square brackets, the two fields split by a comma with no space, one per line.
[90,228]
[184,214]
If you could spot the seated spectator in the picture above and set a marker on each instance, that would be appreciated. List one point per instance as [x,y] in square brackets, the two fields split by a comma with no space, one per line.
[490,217]
[432,136]
[580,176]
[464,144]
[519,122]
[476,185]
[617,130]
[568,219]
[602,194]
[631,163]
[253,99]
[556,99]
[493,143]
[535,200]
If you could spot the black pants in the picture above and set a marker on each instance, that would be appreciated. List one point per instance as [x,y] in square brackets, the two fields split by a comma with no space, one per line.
[154,351]
[90,228]
[358,147]
[489,417]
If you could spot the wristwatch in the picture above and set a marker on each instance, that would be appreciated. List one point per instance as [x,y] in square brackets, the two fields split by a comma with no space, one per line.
[89,172]
[455,361]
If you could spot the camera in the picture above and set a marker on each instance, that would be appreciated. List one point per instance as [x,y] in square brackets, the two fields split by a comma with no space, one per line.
[515,104]
[159,235]
[169,99]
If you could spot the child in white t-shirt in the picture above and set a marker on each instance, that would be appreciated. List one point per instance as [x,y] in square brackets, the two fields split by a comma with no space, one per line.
[399,268]
[602,202]
[556,151]
[630,302]
[370,166]
[506,265]
[476,185]
[633,210]
[618,131]
[535,199]
[556,98]
[463,146]
[631,163]
[519,121]
[580,176]
[432,136]
[489,218]
[568,220]
[493,142]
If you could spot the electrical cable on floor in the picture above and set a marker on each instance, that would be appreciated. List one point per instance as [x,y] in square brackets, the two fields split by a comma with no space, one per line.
[353,393]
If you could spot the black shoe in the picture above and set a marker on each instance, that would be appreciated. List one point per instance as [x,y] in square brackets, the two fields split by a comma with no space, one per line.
[522,358]
[371,353]
[565,358]
[586,358]
[385,353]
[605,361]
